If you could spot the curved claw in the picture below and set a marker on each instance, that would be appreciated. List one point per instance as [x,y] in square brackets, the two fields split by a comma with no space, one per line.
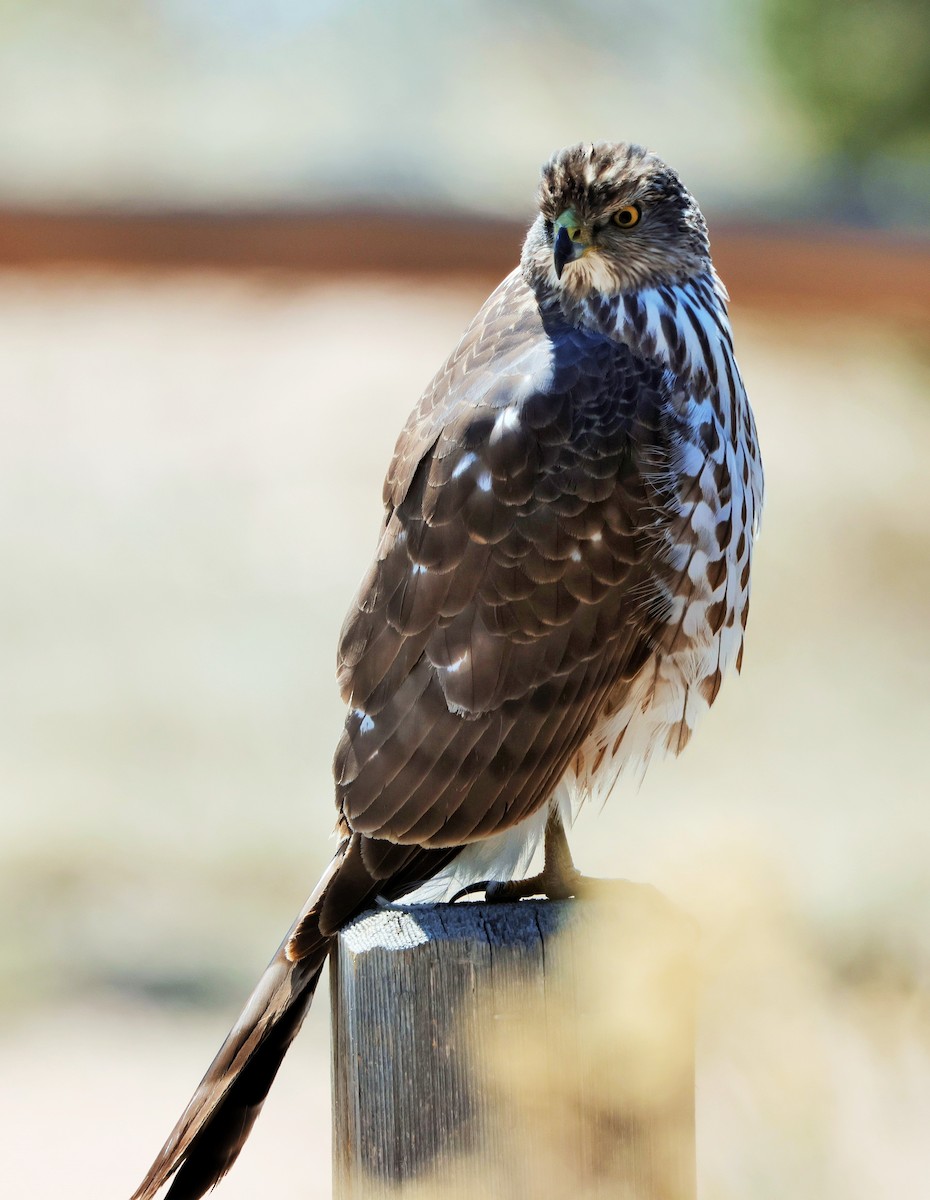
[500,891]
[496,891]
[481,886]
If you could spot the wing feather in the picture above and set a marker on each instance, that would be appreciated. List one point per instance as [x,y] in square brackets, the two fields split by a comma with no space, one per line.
[516,579]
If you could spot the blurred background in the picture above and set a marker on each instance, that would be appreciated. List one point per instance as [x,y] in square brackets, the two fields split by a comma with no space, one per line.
[236,239]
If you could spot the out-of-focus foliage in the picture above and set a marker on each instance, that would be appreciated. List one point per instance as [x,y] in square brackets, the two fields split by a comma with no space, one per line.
[354,102]
[454,106]
[861,69]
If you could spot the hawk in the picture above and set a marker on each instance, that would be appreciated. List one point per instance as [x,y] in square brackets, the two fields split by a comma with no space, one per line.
[560,585]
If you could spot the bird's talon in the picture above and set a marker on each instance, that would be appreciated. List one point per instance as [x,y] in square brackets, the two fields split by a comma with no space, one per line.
[472,889]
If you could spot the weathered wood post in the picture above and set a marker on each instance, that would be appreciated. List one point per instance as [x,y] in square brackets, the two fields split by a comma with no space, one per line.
[533,1050]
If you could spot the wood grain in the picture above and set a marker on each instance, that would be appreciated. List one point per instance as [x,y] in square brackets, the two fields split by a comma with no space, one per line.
[473,1051]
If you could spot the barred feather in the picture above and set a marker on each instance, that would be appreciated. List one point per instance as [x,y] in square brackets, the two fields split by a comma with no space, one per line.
[560,585]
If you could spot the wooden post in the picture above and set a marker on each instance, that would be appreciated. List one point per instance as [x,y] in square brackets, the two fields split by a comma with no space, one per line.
[534,1050]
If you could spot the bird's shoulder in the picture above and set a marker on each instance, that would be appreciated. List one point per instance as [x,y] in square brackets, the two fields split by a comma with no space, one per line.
[522,374]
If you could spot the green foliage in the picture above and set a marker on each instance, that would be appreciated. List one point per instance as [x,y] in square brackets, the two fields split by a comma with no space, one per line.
[861,68]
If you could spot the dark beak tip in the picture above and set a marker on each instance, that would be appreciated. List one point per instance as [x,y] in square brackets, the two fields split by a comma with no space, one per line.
[562,251]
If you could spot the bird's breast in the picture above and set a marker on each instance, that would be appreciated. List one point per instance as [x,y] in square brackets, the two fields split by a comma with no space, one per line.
[711,490]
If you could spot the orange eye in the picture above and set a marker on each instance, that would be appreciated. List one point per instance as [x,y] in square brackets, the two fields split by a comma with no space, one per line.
[627,216]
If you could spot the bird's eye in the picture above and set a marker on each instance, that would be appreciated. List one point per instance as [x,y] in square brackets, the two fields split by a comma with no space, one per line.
[627,216]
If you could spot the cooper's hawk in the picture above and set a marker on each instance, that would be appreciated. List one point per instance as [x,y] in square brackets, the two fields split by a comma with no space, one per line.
[560,585]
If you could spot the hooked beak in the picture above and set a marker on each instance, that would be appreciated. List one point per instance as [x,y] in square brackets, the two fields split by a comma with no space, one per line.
[572,241]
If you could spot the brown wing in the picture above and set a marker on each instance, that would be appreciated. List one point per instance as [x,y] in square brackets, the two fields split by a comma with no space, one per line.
[515,581]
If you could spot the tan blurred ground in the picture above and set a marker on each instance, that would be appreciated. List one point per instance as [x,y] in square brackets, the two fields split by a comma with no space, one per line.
[190,471]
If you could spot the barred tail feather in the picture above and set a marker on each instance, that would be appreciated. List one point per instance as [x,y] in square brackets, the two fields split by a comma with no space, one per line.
[213,1128]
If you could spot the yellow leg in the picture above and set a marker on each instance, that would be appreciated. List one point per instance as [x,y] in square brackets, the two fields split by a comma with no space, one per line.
[557,880]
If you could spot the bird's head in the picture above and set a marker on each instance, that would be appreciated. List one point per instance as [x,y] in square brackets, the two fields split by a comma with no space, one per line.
[612,218]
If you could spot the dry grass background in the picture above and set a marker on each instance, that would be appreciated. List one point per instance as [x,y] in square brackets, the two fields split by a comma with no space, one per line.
[190,471]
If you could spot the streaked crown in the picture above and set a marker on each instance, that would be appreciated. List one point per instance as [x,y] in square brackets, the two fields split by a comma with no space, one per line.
[630,220]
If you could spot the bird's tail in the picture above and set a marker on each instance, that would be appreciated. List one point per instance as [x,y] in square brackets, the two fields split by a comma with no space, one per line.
[213,1128]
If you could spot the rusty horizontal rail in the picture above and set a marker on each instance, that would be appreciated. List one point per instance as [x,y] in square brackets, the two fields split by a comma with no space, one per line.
[778,267]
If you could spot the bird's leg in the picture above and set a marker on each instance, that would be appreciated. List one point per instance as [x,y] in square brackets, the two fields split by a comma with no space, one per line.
[558,879]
